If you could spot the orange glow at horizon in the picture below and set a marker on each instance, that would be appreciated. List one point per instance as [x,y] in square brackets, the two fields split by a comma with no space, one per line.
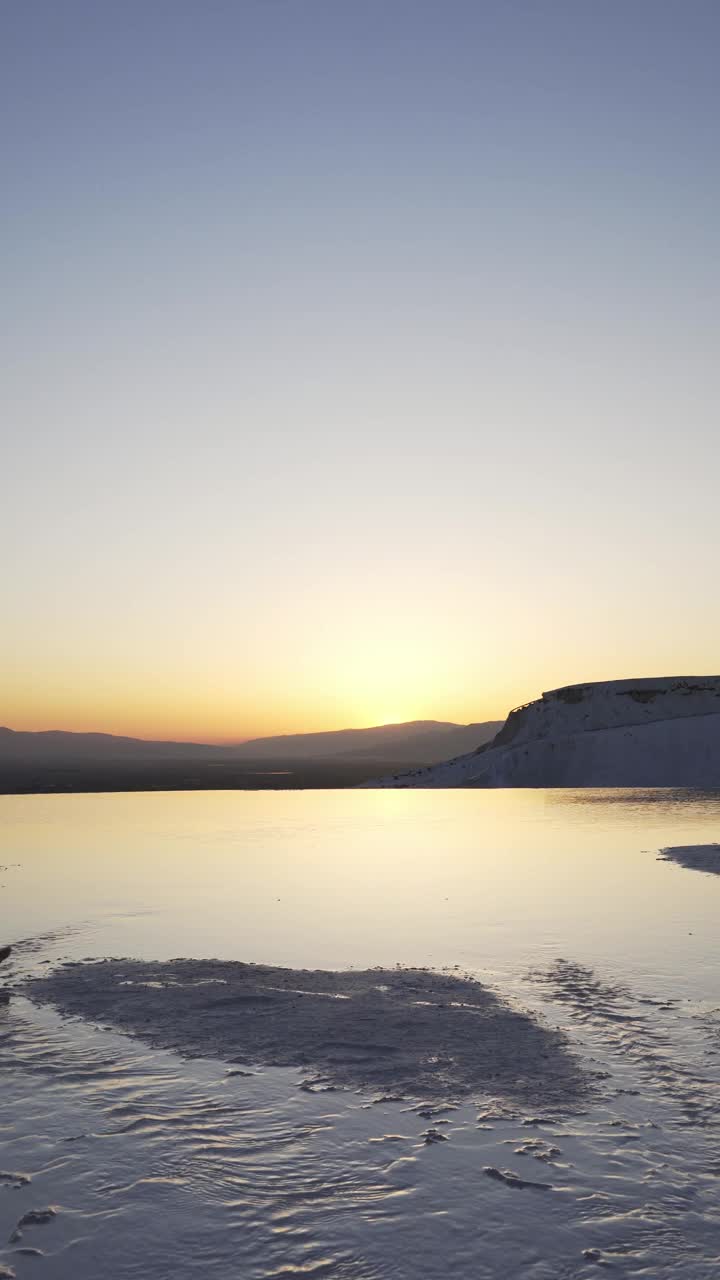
[349,653]
[226,686]
[213,724]
[191,706]
[337,686]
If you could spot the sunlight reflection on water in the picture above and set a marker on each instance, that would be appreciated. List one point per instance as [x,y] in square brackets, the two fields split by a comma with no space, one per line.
[159,1166]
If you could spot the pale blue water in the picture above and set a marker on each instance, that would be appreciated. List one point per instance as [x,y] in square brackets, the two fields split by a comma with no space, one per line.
[167,1168]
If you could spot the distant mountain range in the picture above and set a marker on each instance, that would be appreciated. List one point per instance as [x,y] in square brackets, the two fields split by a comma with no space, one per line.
[658,732]
[58,760]
[428,740]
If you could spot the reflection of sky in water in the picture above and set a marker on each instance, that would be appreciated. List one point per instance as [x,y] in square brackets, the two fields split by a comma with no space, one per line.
[487,880]
[162,1166]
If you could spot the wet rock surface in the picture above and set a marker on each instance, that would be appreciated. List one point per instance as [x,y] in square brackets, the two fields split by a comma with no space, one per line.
[409,1031]
[696,857]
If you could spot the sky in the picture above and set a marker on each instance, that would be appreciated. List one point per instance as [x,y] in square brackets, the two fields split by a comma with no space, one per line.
[361,359]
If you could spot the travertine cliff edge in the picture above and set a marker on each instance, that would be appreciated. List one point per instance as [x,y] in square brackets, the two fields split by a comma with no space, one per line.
[661,732]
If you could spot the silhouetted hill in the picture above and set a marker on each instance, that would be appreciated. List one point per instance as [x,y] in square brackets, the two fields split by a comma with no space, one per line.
[428,740]
[55,760]
[57,745]
[442,745]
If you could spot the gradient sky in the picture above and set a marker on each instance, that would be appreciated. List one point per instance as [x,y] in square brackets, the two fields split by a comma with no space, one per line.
[361,357]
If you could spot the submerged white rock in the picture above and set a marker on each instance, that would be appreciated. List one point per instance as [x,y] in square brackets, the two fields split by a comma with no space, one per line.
[661,732]
[410,1031]
[697,857]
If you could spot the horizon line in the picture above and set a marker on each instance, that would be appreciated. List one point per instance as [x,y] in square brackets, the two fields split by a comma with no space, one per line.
[243,741]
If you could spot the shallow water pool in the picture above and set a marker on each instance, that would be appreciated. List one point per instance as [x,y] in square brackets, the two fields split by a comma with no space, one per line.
[156,1165]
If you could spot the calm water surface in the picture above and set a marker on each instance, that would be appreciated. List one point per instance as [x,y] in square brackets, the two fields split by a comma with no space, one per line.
[159,1166]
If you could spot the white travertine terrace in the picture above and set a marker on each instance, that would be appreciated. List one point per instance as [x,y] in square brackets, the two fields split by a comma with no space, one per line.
[661,732]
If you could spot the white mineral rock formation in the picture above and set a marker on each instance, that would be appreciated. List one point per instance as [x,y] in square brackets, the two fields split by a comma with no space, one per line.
[662,732]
